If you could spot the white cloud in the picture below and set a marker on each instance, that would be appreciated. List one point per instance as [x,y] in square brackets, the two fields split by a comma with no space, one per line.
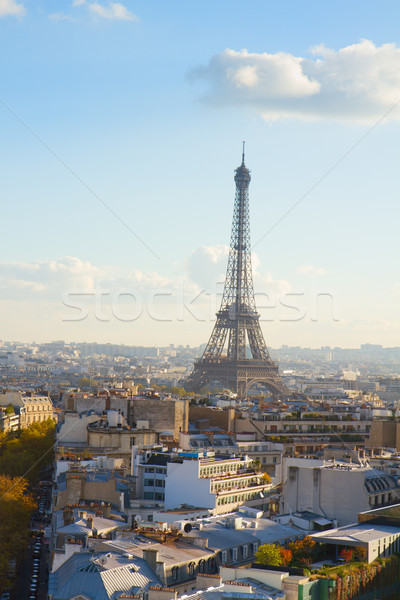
[265,283]
[310,270]
[115,11]
[207,265]
[360,82]
[11,8]
[206,268]
[60,17]
[47,278]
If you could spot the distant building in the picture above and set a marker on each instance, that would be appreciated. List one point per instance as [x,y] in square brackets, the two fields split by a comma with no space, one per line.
[77,526]
[216,440]
[162,413]
[112,435]
[336,490]
[384,434]
[9,421]
[268,455]
[84,486]
[30,408]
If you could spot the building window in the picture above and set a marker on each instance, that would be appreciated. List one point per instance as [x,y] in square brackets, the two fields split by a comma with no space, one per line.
[211,564]
[224,557]
[175,572]
[202,564]
[149,482]
[255,547]
[234,554]
[245,551]
[191,568]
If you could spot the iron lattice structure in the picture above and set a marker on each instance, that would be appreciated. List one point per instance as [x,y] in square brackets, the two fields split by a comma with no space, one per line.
[237,327]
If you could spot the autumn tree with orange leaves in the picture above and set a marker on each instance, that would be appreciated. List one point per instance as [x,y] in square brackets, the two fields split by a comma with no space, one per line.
[303,551]
[16,505]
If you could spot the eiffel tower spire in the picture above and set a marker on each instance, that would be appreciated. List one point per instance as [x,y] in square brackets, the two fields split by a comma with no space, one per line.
[237,327]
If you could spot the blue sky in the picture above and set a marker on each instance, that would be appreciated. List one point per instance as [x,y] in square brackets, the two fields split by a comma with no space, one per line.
[126,119]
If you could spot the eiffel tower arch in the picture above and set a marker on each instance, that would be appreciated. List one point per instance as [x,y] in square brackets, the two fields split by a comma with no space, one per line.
[237,327]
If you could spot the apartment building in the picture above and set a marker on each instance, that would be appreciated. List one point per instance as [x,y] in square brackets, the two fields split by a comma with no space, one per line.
[336,490]
[35,409]
[219,484]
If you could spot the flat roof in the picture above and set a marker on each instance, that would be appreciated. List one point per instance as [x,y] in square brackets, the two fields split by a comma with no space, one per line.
[355,534]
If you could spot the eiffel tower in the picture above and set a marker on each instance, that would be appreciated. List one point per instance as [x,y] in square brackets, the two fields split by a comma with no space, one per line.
[238,323]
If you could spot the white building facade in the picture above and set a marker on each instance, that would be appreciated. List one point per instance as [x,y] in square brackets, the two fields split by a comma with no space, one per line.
[219,484]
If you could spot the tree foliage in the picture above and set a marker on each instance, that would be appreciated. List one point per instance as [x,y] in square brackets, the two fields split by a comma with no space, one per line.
[24,454]
[360,553]
[287,556]
[269,554]
[303,551]
[16,505]
[346,554]
[174,390]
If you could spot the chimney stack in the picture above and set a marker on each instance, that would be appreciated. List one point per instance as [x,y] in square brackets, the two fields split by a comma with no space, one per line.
[68,516]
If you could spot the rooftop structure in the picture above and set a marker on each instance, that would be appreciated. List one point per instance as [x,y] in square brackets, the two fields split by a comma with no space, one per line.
[378,540]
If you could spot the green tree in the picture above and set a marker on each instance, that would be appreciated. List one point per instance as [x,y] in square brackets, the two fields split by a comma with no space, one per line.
[269,554]
[178,391]
[10,410]
[26,453]
[204,402]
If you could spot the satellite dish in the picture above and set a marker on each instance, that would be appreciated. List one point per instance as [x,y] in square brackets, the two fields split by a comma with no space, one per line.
[187,528]
[137,518]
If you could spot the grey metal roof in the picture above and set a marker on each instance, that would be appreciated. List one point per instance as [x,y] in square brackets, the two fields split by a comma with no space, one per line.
[259,590]
[170,553]
[100,524]
[111,574]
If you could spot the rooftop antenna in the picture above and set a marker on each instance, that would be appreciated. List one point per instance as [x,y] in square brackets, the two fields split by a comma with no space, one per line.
[243,153]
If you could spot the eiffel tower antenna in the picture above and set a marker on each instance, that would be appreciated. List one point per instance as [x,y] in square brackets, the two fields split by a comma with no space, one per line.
[237,328]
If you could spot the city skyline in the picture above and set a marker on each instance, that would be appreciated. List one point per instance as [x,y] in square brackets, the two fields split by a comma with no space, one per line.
[121,133]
